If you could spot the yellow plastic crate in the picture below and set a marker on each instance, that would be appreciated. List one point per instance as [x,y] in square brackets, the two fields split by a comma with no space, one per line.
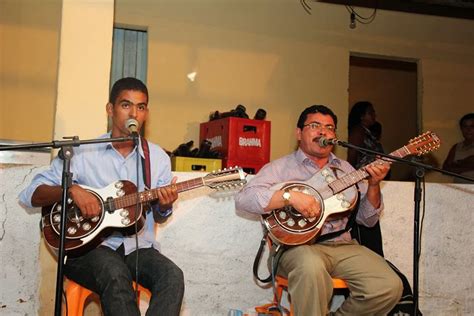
[195,164]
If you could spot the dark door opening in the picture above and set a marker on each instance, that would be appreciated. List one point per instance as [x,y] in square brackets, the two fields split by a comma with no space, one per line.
[391,86]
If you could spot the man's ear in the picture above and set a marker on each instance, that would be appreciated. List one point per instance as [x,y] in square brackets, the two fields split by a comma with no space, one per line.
[298,133]
[109,108]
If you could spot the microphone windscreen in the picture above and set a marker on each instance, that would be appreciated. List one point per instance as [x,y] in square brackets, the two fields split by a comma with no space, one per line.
[132,125]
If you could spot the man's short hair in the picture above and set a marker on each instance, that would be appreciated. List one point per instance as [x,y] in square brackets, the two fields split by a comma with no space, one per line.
[313,109]
[127,83]
[357,111]
[469,116]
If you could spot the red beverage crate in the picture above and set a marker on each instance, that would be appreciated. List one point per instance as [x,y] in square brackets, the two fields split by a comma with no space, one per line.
[238,139]
[248,166]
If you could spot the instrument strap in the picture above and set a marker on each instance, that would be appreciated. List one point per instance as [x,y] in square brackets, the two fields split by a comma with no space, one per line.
[276,258]
[277,253]
[146,164]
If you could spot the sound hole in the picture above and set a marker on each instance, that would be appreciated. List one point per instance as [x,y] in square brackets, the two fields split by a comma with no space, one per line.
[74,214]
[293,220]
[76,225]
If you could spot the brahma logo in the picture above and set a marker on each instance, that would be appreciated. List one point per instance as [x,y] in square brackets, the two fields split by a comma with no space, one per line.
[250,142]
[216,141]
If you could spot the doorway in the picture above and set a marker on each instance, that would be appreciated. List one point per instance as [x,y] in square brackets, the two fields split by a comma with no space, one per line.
[392,87]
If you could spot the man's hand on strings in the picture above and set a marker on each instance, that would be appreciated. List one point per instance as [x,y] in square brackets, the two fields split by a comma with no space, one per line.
[167,195]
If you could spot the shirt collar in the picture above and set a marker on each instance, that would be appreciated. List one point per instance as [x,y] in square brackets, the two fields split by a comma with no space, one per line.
[302,158]
[110,147]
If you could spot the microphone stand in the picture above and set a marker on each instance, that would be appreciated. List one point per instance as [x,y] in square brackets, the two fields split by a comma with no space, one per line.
[66,153]
[420,173]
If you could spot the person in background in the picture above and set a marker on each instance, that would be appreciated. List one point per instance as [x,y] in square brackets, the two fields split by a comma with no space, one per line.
[375,288]
[110,268]
[460,158]
[364,132]
[376,131]
[362,118]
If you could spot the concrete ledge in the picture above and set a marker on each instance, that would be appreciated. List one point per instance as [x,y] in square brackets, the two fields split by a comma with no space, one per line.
[215,245]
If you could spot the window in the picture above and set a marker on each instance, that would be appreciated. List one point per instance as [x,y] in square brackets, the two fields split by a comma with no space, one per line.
[129,54]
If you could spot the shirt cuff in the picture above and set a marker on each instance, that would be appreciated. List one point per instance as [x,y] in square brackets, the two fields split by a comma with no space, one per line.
[164,213]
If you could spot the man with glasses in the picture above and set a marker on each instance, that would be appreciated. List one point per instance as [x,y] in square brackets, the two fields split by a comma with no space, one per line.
[375,289]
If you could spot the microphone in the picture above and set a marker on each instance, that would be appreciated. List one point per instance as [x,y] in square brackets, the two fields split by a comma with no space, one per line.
[324,142]
[132,126]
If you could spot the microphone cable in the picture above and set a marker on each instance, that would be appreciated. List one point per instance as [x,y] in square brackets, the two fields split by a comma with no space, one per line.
[423,209]
[137,207]
[132,125]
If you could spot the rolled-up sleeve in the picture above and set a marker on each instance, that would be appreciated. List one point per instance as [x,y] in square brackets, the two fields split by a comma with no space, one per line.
[257,193]
[253,199]
[164,178]
[52,177]
[368,215]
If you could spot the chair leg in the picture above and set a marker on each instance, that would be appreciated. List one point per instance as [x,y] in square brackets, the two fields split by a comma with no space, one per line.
[76,297]
[281,284]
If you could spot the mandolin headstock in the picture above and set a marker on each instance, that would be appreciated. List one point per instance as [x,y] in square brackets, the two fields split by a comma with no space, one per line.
[228,178]
[423,144]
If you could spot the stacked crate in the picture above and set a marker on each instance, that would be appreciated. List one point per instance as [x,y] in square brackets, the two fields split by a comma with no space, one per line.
[241,142]
[195,164]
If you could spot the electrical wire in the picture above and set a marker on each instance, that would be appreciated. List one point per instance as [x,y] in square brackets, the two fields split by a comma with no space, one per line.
[354,15]
[362,19]
[305,6]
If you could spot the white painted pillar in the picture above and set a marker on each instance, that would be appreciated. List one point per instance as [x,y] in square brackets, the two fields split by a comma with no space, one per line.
[84,68]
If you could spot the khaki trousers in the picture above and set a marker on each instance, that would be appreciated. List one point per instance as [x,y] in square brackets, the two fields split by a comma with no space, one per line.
[374,287]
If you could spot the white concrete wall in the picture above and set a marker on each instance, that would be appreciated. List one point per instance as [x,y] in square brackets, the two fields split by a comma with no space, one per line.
[215,246]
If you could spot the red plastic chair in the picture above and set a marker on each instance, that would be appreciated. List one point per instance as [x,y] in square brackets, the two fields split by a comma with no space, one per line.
[77,295]
[281,284]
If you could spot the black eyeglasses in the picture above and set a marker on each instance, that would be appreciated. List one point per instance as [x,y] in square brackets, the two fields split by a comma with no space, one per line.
[319,126]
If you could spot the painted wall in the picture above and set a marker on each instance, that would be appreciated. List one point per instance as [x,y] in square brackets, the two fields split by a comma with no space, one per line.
[272,54]
[269,54]
[29,44]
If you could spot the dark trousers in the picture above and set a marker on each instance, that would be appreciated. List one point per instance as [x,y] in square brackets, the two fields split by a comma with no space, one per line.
[110,273]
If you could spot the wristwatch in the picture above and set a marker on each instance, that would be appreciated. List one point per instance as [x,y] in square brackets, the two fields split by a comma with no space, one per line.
[286,197]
